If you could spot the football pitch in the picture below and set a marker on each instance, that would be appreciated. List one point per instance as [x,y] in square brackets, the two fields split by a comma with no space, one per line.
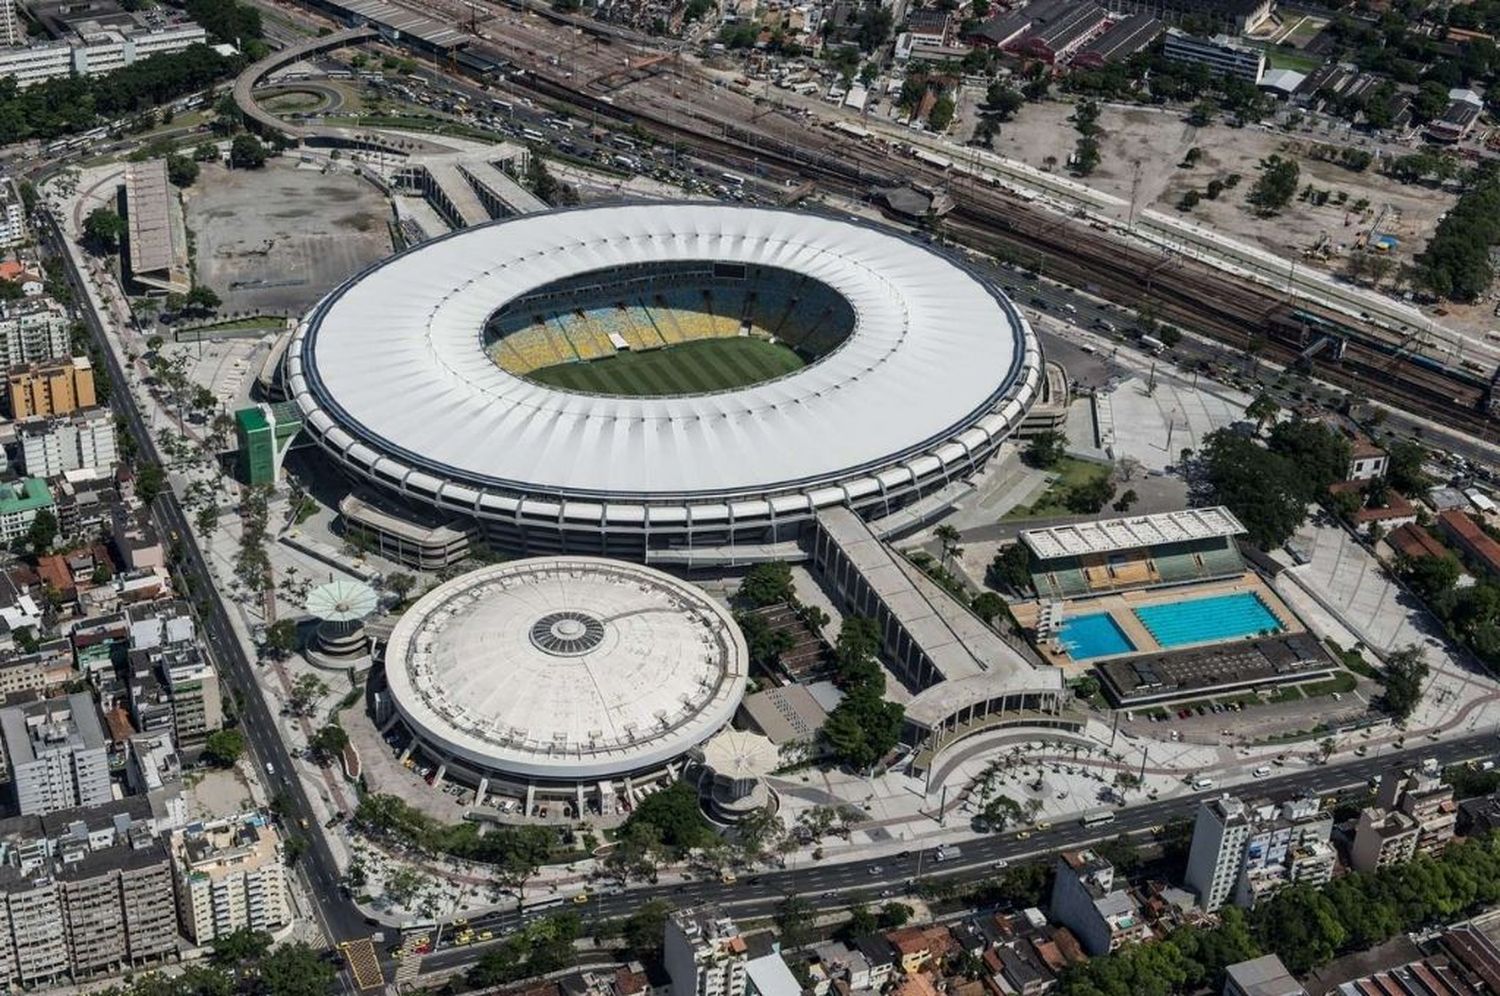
[686,368]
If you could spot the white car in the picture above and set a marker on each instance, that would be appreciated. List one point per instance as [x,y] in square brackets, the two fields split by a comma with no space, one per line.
[1261,771]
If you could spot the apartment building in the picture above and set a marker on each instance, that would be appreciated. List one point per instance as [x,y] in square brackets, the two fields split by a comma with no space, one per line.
[11,32]
[1421,795]
[704,954]
[1085,900]
[32,330]
[82,441]
[1243,853]
[12,211]
[172,685]
[51,387]
[57,753]
[1383,837]
[229,876]
[19,505]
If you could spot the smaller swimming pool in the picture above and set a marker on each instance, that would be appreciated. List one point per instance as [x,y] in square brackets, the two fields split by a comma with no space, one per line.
[1097,635]
[1208,620]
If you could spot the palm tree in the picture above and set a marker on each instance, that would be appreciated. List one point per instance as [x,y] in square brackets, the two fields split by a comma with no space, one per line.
[948,536]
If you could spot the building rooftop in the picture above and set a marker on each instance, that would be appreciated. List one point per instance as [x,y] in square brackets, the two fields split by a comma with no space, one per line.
[566,666]
[1263,976]
[148,206]
[1131,532]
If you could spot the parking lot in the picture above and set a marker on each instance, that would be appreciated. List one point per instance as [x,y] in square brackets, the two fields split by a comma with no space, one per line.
[275,240]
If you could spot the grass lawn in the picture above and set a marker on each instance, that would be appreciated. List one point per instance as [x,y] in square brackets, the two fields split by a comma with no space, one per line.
[688,368]
[1070,473]
[1283,58]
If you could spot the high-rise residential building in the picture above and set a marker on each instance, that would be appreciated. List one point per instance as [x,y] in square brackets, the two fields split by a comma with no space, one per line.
[1242,853]
[704,954]
[12,211]
[1382,837]
[57,753]
[1421,794]
[11,32]
[31,330]
[172,685]
[1086,901]
[1218,850]
[53,387]
[84,440]
[229,875]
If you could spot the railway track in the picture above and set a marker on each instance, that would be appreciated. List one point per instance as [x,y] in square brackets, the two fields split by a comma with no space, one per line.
[1176,289]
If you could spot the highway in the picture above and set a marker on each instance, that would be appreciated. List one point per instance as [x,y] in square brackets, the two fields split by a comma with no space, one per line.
[833,884]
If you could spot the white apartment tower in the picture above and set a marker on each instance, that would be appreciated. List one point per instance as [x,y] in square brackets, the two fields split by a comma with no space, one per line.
[1218,849]
[704,954]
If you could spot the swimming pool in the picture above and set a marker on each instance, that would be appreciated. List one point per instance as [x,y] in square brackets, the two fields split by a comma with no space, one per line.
[1208,620]
[1097,635]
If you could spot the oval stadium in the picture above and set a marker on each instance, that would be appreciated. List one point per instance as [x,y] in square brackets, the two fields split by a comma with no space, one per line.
[564,677]
[639,379]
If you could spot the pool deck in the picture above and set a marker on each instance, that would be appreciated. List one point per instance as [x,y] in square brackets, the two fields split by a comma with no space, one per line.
[1120,606]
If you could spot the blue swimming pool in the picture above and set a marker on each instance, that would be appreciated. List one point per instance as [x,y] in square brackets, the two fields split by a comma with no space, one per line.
[1087,637]
[1208,620]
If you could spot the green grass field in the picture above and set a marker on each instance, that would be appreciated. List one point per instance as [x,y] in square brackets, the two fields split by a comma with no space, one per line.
[687,368]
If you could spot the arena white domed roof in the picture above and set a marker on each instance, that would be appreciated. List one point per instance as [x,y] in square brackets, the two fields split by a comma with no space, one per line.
[391,373]
[566,668]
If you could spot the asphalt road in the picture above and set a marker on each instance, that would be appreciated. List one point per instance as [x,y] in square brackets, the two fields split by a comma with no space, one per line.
[830,885]
[340,919]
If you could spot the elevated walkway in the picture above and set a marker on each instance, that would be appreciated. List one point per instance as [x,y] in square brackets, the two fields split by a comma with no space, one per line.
[502,195]
[453,195]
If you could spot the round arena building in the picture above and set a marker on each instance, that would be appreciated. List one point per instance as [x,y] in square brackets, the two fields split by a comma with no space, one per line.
[663,377]
[573,679]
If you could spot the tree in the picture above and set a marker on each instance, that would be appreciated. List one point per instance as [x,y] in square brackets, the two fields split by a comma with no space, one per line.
[42,531]
[1123,503]
[987,605]
[674,813]
[247,152]
[102,230]
[1404,467]
[1431,577]
[150,481]
[941,115]
[1046,449]
[1011,568]
[241,946]
[1265,490]
[1405,673]
[206,152]
[768,584]
[1262,411]
[1276,185]
[644,929]
[330,740]
[794,919]
[1318,451]
[1003,101]
[307,689]
[894,915]
[224,747]
[948,537]
[182,171]
[404,884]
[202,299]
[281,637]
[294,970]
[862,728]
[400,584]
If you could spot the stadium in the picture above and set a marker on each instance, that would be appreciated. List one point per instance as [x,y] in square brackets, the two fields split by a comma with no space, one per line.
[663,380]
[578,680]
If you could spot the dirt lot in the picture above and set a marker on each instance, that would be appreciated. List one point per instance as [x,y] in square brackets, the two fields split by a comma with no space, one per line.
[277,239]
[1142,148]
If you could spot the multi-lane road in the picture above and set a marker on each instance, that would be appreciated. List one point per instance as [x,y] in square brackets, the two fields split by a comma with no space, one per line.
[340,919]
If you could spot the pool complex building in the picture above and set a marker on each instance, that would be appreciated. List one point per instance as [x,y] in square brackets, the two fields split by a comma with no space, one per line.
[1162,606]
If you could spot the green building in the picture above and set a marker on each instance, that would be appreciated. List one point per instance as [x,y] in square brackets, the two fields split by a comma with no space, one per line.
[265,433]
[19,504]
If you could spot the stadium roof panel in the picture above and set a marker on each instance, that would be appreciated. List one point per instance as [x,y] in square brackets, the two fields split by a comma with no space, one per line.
[935,352]
[1132,532]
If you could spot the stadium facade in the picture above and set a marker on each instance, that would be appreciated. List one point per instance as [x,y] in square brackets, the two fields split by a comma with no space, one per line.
[579,680]
[405,376]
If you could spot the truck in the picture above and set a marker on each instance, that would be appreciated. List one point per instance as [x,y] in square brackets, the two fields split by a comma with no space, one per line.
[946,852]
[1152,344]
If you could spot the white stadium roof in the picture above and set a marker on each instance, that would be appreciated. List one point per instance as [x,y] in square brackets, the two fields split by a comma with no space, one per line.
[566,668]
[391,372]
